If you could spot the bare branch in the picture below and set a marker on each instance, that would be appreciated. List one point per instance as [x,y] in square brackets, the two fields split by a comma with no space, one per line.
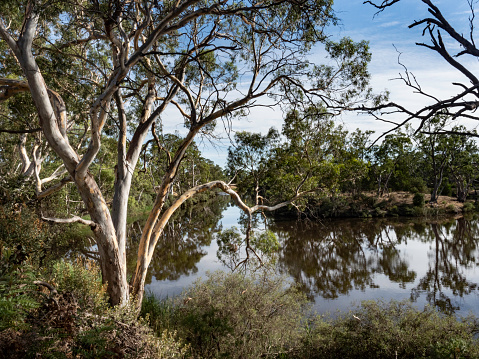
[74,219]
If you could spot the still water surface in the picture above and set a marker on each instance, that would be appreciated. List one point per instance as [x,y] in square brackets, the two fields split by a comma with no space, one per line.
[342,262]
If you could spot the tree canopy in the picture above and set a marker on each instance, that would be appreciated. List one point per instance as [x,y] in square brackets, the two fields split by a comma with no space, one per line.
[85,81]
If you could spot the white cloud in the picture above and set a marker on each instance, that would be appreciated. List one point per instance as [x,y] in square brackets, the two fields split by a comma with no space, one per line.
[390,24]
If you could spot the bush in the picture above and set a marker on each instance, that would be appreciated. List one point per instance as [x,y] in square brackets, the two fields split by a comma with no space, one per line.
[82,279]
[450,208]
[418,200]
[234,316]
[74,320]
[417,184]
[468,207]
[391,330]
[18,296]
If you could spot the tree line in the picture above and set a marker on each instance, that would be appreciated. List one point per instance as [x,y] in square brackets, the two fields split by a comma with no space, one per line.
[315,153]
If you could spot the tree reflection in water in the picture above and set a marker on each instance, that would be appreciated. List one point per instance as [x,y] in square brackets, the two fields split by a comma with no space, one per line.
[455,247]
[333,258]
[183,243]
[338,258]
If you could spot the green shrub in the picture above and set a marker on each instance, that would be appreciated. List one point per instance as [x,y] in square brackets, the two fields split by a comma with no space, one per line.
[418,200]
[234,316]
[74,319]
[18,296]
[391,330]
[160,314]
[468,207]
[82,278]
[447,190]
[417,184]
[450,208]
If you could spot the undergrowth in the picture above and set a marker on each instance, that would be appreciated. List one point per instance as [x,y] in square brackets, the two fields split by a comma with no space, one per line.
[233,316]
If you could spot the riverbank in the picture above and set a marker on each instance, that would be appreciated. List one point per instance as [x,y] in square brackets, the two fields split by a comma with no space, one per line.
[228,315]
[369,205]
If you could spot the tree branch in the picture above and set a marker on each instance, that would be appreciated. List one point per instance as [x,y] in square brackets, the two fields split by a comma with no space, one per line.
[74,219]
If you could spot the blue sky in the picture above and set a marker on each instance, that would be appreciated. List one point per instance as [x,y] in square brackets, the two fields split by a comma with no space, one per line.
[386,32]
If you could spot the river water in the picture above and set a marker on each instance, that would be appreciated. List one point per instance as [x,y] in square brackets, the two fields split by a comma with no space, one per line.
[339,263]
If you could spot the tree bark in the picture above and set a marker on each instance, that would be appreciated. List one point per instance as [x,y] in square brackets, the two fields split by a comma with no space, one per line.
[52,115]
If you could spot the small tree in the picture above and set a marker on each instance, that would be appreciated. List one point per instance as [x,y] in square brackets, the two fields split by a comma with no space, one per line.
[386,156]
[437,151]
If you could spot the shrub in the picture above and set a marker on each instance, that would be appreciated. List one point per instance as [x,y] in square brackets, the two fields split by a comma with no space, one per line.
[82,279]
[74,320]
[418,200]
[417,185]
[234,316]
[18,296]
[450,208]
[447,190]
[468,207]
[391,330]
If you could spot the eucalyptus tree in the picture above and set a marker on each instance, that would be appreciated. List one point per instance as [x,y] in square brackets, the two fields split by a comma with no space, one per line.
[247,161]
[437,150]
[313,155]
[463,163]
[386,158]
[120,66]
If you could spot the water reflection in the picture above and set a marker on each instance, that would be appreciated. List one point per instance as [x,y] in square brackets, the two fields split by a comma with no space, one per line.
[454,248]
[333,259]
[335,262]
[183,243]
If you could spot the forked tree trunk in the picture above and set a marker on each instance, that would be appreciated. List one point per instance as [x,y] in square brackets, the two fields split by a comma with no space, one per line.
[52,114]
[112,266]
[435,190]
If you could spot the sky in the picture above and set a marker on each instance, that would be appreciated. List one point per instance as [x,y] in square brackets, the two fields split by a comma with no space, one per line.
[388,34]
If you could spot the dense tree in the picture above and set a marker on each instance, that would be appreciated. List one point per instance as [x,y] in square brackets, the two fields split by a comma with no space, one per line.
[247,161]
[437,151]
[89,69]
[313,155]
[386,158]
[463,163]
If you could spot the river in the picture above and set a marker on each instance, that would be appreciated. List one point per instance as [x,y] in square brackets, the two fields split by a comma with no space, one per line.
[339,263]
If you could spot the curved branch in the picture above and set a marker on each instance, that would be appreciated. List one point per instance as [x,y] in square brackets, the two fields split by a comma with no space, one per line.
[55,188]
[159,227]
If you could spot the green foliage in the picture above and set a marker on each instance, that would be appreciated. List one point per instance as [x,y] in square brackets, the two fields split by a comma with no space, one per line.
[391,330]
[76,321]
[82,279]
[229,241]
[316,155]
[418,200]
[20,226]
[247,159]
[468,207]
[233,316]
[266,242]
[450,208]
[18,297]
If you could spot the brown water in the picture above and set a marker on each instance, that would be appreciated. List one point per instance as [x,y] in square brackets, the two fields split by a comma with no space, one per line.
[342,262]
